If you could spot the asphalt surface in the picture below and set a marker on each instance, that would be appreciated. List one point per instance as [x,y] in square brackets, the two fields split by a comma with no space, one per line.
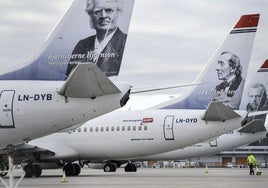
[151,178]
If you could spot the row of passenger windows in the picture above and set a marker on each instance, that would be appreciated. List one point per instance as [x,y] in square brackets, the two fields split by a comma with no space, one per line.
[113,128]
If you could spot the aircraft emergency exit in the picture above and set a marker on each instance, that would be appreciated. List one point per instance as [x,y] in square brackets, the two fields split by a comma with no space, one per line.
[46,95]
[209,110]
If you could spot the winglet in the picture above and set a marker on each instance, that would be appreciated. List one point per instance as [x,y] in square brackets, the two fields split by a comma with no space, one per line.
[254,126]
[217,111]
[87,80]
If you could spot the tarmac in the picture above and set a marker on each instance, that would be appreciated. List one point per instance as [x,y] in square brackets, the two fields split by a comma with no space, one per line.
[150,178]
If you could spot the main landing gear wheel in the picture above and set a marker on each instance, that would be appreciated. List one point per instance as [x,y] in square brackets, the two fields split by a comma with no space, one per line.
[32,170]
[130,168]
[72,169]
[109,168]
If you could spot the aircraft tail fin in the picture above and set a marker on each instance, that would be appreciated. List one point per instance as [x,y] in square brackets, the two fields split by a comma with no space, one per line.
[74,40]
[255,99]
[224,76]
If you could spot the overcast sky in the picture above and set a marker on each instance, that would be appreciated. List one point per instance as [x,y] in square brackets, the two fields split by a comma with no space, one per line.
[169,41]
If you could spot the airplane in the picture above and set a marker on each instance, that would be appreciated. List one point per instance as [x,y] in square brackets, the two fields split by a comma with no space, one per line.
[233,139]
[181,122]
[39,97]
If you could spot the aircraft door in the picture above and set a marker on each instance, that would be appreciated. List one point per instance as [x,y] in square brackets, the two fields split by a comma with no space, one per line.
[168,128]
[213,143]
[6,109]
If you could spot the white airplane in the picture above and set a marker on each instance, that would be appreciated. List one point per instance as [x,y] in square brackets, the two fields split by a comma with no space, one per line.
[255,95]
[40,98]
[182,122]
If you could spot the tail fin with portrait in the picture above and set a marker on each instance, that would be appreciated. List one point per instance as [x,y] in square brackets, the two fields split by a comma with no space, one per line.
[54,60]
[224,76]
[255,101]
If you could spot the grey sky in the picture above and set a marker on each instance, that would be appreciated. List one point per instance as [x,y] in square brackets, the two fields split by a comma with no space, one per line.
[169,41]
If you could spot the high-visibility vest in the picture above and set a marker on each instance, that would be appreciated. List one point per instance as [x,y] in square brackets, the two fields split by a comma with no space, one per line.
[251,159]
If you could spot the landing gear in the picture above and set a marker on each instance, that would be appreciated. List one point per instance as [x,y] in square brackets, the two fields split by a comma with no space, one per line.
[10,154]
[3,165]
[130,168]
[72,169]
[32,170]
[109,168]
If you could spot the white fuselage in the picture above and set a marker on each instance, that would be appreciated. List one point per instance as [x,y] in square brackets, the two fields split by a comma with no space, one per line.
[224,142]
[31,109]
[131,134]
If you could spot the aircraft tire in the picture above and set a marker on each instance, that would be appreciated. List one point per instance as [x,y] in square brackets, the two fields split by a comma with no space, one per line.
[38,170]
[77,169]
[130,168]
[69,169]
[29,171]
[3,174]
[109,168]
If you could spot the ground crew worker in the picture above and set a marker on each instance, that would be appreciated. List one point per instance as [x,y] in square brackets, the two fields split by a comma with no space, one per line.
[251,162]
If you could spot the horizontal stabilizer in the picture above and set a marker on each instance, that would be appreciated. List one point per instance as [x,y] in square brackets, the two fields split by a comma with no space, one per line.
[87,80]
[257,113]
[217,111]
[254,126]
[165,88]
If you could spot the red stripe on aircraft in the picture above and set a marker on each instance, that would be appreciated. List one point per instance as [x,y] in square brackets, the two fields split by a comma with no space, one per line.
[265,64]
[250,20]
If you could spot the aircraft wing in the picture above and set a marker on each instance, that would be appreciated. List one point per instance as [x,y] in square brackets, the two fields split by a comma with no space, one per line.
[87,81]
[217,111]
[47,150]
[28,148]
[254,126]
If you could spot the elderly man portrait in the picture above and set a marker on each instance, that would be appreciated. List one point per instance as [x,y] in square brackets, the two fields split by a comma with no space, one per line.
[229,71]
[106,47]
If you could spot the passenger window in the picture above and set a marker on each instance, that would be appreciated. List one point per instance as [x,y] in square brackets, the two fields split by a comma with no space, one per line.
[118,128]
[107,129]
[145,127]
[140,128]
[79,129]
[91,129]
[85,129]
[112,129]
[128,128]
[97,129]
[134,128]
[123,128]
[102,129]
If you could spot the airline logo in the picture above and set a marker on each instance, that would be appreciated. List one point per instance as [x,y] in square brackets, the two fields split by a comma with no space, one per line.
[147,120]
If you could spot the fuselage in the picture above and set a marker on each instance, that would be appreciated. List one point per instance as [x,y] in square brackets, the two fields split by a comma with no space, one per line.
[130,134]
[224,142]
[31,109]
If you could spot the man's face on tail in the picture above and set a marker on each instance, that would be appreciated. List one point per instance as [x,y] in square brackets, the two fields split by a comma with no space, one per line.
[224,71]
[105,15]
[255,95]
